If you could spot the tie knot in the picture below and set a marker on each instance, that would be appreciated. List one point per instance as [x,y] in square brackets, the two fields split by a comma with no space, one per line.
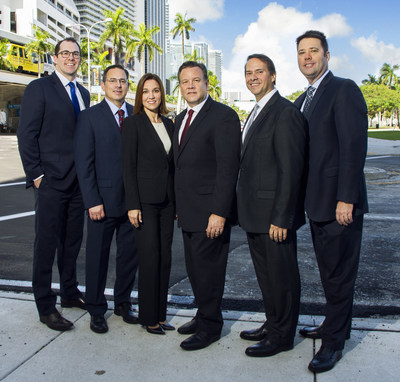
[121,113]
[310,91]
[191,111]
[71,85]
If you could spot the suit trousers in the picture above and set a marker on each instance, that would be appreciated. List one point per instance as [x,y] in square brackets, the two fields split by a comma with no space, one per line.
[59,218]
[337,250]
[154,241]
[206,261]
[277,273]
[99,238]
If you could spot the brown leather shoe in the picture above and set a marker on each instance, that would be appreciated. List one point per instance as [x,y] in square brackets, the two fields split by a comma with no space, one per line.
[254,334]
[75,303]
[56,321]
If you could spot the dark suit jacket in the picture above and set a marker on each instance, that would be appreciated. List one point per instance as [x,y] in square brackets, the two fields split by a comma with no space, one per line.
[148,170]
[206,166]
[272,168]
[46,132]
[338,126]
[98,159]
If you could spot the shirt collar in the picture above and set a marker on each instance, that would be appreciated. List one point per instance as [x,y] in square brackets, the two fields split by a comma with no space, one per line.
[264,100]
[318,82]
[65,81]
[198,107]
[114,108]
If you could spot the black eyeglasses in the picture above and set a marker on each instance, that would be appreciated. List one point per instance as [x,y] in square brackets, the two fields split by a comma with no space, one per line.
[67,53]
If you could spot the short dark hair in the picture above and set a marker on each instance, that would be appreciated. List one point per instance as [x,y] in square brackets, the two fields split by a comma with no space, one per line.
[193,64]
[314,34]
[266,60]
[116,66]
[70,39]
[139,94]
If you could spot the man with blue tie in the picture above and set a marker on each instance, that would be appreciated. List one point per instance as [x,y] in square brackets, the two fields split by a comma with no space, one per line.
[98,159]
[49,112]
[336,196]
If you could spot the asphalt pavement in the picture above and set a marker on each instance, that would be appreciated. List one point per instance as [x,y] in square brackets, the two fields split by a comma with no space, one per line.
[29,351]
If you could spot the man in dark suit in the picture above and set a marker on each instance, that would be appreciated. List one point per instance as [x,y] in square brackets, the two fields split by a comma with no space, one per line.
[336,197]
[45,135]
[206,147]
[270,204]
[98,160]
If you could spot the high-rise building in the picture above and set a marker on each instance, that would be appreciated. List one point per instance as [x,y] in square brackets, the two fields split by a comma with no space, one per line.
[53,16]
[215,63]
[155,13]
[91,11]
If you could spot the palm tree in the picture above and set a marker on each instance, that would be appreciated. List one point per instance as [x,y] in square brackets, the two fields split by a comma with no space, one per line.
[194,57]
[142,42]
[388,76]
[213,85]
[182,27]
[370,80]
[117,31]
[39,45]
[4,62]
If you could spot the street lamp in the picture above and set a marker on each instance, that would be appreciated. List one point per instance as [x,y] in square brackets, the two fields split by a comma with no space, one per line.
[88,38]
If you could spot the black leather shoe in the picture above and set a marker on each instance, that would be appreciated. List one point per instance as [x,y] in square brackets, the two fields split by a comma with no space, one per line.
[167,326]
[98,324]
[56,321]
[125,310]
[199,340]
[188,328]
[267,348]
[157,330]
[314,332]
[324,360]
[254,334]
[76,303]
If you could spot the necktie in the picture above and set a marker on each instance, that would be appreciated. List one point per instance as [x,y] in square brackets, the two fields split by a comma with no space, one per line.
[74,99]
[121,118]
[250,121]
[185,129]
[309,97]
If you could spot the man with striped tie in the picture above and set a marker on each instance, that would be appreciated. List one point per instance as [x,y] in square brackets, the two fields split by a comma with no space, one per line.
[49,112]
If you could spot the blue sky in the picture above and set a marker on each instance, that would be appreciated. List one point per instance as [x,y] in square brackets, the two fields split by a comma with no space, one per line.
[362,35]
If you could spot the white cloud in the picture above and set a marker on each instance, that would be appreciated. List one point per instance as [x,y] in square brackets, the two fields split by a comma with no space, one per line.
[377,51]
[274,34]
[202,11]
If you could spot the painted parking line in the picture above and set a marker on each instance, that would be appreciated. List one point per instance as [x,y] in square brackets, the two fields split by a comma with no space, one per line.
[17,216]
[380,157]
[12,184]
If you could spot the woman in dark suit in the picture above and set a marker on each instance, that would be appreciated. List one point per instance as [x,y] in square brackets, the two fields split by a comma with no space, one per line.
[148,172]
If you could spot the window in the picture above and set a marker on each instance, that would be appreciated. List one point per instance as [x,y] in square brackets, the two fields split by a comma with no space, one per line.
[59,6]
[13,22]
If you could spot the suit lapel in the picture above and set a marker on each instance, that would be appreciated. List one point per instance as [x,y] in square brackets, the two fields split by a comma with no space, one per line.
[86,99]
[259,120]
[62,92]
[318,94]
[109,117]
[194,125]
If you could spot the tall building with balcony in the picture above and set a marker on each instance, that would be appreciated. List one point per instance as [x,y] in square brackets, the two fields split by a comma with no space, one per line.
[91,11]
[19,16]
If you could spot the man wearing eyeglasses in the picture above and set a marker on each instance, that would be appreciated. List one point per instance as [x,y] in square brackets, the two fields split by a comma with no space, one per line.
[49,111]
[98,159]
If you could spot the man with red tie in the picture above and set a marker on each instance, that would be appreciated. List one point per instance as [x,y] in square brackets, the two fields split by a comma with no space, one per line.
[206,147]
[98,159]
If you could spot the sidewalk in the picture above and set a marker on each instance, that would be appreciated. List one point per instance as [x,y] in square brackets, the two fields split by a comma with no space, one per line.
[31,352]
